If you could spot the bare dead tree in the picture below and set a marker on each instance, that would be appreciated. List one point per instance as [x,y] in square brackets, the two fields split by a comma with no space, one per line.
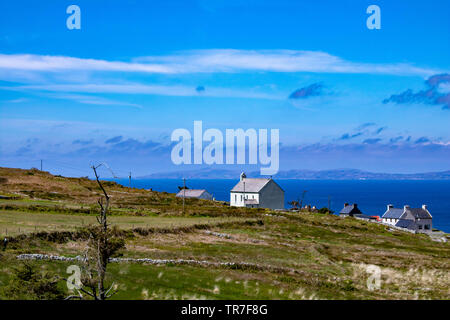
[102,241]
[102,244]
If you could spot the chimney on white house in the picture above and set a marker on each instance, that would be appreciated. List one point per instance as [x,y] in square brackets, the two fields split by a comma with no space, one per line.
[345,204]
[390,206]
[406,207]
[243,176]
[424,207]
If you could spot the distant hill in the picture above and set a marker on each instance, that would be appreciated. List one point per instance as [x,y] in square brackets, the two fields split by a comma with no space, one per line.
[336,174]
[205,173]
[354,174]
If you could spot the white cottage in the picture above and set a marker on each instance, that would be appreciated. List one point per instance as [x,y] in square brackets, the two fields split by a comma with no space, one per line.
[257,193]
[418,220]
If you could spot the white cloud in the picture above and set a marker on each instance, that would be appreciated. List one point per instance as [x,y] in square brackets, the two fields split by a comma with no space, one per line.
[33,62]
[214,61]
[229,60]
[86,99]
[19,100]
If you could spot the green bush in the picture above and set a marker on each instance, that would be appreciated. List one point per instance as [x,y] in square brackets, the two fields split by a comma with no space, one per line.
[29,284]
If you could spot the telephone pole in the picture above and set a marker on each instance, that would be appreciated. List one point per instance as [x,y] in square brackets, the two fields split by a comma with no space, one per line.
[244,192]
[184,192]
[303,197]
[41,164]
[129,180]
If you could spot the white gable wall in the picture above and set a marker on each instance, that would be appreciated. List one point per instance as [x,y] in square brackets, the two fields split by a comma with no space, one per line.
[272,196]
[206,195]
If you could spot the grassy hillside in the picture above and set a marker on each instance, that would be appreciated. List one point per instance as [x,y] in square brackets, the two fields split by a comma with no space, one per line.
[212,251]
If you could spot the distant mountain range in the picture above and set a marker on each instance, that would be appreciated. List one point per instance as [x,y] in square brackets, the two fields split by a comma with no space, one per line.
[337,174]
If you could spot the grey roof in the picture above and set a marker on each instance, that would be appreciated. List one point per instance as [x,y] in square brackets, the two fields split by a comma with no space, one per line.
[364,216]
[393,213]
[405,223]
[420,213]
[396,213]
[191,193]
[251,185]
[350,209]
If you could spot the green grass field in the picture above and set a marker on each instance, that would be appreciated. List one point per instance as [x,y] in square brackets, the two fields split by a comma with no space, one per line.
[274,255]
[13,223]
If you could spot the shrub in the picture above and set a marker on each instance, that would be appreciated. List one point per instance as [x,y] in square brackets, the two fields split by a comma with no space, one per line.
[28,284]
[325,210]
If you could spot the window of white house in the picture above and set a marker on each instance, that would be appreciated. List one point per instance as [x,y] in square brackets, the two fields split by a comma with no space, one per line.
[420,227]
[427,227]
[235,197]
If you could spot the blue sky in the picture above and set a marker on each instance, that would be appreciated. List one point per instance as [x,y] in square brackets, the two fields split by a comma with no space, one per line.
[343,96]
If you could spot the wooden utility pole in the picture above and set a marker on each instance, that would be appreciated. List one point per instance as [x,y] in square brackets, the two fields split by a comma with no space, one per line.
[184,192]
[303,197]
[244,192]
[129,180]
[41,164]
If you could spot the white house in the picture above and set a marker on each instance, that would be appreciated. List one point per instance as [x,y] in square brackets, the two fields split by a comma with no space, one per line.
[257,193]
[195,193]
[415,219]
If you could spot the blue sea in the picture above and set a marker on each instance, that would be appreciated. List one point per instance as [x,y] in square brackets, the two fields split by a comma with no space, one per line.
[372,196]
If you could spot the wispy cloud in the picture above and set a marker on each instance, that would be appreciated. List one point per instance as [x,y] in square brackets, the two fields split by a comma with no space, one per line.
[231,60]
[372,141]
[422,140]
[365,129]
[114,139]
[348,136]
[312,90]
[366,125]
[396,139]
[436,93]
[89,99]
[213,61]
[33,62]
[19,100]
[379,130]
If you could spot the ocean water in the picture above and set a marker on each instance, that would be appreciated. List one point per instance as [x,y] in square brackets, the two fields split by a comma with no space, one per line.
[372,196]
